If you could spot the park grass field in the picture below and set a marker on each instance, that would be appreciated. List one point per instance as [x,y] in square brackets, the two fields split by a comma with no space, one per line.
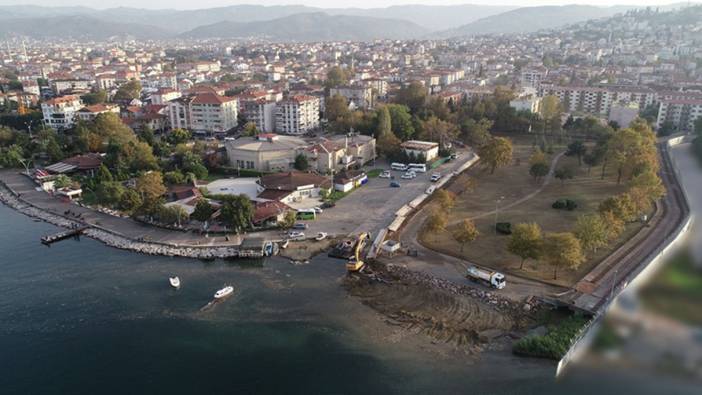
[513,183]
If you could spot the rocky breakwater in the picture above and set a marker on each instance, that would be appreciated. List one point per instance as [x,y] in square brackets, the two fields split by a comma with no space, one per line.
[113,239]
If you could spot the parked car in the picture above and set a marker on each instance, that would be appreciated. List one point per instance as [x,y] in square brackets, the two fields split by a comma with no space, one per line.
[318,210]
[299,225]
[385,174]
[328,204]
[394,184]
[409,175]
[435,177]
[296,235]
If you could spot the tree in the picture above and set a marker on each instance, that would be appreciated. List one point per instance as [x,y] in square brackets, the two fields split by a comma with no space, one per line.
[301,163]
[538,157]
[387,143]
[621,206]
[476,133]
[62,181]
[401,121]
[336,76]
[336,108]
[172,214]
[151,190]
[434,129]
[11,156]
[538,170]
[649,183]
[129,91]
[577,148]
[250,129]
[414,96]
[179,136]
[174,177]
[564,173]
[446,199]
[97,97]
[496,153]
[614,225]
[130,200]
[466,232]
[526,242]
[591,230]
[562,250]
[288,220]
[437,222]
[236,211]
[109,193]
[203,210]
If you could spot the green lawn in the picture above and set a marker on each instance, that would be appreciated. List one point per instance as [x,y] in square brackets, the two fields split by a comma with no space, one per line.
[374,173]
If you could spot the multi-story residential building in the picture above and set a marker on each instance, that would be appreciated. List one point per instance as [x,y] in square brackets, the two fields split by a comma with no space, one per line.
[60,112]
[530,103]
[359,96]
[213,113]
[168,80]
[60,86]
[262,113]
[681,114]
[597,99]
[532,77]
[106,81]
[623,113]
[297,115]
[379,87]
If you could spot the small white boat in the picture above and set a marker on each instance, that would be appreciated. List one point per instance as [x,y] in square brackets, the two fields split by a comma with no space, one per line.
[321,236]
[175,281]
[226,291]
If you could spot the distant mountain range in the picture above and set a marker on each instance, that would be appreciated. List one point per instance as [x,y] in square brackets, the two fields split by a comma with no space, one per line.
[316,26]
[294,22]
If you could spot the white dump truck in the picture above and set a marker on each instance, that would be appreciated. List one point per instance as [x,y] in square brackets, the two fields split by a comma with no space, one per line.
[491,277]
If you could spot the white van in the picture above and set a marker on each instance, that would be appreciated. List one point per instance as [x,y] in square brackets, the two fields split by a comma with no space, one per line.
[399,166]
[418,167]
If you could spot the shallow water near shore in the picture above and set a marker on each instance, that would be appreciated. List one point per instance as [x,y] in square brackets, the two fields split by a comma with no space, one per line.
[80,317]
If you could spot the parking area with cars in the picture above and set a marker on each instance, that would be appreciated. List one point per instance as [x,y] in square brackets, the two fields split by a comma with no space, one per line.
[373,205]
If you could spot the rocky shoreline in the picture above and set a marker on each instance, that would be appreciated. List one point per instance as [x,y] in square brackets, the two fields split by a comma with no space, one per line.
[10,199]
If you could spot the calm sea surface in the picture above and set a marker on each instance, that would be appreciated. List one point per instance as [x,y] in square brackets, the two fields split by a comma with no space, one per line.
[82,318]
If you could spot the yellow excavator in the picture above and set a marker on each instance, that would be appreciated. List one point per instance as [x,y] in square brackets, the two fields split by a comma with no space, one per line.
[356,262]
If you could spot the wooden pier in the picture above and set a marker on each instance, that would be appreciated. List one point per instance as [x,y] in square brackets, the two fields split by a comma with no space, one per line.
[49,239]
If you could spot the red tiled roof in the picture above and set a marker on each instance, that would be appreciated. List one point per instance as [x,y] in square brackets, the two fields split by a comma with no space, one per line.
[267,210]
[291,180]
[211,98]
[84,162]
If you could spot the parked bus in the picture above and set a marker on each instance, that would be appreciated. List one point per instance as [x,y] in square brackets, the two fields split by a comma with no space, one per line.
[399,166]
[306,214]
[417,167]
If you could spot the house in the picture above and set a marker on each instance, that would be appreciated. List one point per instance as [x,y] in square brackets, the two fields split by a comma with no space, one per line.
[298,114]
[266,152]
[60,112]
[269,213]
[86,164]
[340,153]
[428,149]
[349,179]
[293,186]
[205,112]
[89,113]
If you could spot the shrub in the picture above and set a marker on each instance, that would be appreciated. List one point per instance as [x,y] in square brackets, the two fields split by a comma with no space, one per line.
[504,228]
[564,204]
[554,344]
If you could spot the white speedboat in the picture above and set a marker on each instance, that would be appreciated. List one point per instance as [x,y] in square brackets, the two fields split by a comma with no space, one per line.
[321,236]
[175,282]
[226,291]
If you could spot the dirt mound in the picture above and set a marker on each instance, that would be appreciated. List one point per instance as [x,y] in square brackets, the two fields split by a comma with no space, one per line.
[427,305]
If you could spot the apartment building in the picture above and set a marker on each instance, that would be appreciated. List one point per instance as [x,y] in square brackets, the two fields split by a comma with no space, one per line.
[360,96]
[261,112]
[597,99]
[297,115]
[532,77]
[59,113]
[204,112]
[89,113]
[680,113]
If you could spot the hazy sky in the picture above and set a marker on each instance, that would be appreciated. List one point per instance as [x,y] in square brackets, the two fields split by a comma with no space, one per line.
[189,4]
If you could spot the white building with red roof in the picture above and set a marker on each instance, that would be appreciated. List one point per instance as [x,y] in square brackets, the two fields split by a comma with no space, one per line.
[297,115]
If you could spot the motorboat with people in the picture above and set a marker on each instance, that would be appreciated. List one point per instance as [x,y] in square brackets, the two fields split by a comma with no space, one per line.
[175,281]
[224,292]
